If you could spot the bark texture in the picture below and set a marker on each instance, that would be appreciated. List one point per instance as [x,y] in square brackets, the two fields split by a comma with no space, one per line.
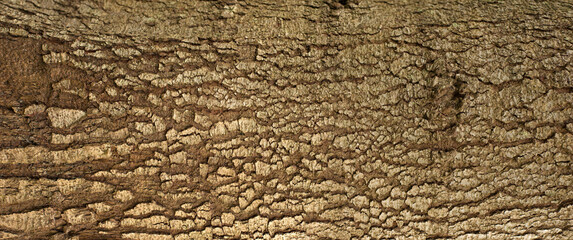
[313,119]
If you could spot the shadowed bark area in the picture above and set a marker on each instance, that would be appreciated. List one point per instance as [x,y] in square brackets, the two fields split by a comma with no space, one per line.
[355,119]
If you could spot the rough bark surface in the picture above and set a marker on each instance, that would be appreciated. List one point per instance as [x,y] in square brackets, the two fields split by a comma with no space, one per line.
[356,119]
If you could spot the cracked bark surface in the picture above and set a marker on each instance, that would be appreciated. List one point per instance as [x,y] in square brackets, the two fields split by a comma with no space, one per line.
[286,119]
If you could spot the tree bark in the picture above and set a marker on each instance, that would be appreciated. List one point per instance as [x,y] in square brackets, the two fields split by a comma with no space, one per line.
[356,119]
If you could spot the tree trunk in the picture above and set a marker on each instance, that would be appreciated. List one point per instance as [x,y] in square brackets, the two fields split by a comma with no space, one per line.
[355,119]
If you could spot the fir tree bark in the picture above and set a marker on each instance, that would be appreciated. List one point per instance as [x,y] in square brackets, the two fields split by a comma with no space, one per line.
[356,119]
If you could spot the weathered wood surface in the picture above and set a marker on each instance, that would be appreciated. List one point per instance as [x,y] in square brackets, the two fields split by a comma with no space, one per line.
[286,119]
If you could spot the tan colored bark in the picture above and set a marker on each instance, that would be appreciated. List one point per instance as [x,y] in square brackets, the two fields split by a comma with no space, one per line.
[286,119]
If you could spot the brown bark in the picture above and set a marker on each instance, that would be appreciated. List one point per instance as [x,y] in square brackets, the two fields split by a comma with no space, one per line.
[286,119]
